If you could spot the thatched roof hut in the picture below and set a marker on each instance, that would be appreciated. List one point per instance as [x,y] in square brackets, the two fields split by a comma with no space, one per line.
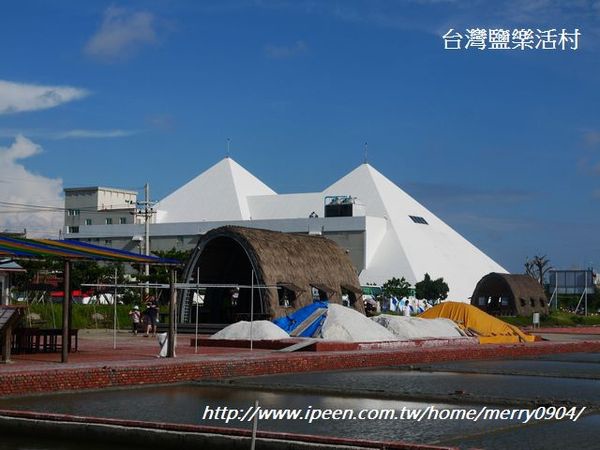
[298,268]
[509,295]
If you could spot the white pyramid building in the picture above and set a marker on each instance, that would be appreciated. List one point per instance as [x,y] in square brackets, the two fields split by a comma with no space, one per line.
[408,247]
[400,237]
[218,194]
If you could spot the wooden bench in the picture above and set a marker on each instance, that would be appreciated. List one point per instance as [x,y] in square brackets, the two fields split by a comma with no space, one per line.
[36,340]
[9,317]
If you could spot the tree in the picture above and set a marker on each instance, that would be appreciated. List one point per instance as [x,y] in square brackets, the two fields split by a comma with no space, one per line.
[395,287]
[47,275]
[537,268]
[36,274]
[91,272]
[160,274]
[431,289]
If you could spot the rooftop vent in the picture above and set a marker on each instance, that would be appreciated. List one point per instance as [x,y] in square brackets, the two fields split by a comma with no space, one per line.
[339,206]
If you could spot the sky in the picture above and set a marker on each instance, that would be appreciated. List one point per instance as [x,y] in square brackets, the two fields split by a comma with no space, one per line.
[502,145]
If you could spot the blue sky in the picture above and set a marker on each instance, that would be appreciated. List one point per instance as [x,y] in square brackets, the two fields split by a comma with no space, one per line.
[504,146]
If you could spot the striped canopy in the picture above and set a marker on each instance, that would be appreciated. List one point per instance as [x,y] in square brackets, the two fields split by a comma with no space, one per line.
[19,248]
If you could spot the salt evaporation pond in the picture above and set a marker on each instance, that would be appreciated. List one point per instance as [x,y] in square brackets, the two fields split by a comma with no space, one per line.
[359,389]
[186,404]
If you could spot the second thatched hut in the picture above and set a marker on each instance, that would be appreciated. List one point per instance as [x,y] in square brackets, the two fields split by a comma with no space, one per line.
[503,294]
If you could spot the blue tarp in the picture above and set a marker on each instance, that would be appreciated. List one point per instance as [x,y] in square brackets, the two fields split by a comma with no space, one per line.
[299,318]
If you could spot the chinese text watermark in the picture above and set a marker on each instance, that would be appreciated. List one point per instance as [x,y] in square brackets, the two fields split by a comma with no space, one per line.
[512,39]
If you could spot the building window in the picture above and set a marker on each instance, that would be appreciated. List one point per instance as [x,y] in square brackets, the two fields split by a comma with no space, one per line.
[108,221]
[419,219]
[108,242]
[122,220]
[73,229]
[88,221]
[73,212]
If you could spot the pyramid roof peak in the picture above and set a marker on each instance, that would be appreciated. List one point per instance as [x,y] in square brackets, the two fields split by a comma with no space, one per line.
[218,193]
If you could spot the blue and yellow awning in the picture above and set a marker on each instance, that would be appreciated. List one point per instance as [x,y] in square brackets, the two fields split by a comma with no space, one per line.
[20,248]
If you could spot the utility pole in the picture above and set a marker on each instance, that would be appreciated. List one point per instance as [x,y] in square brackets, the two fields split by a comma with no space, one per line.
[146,227]
[146,210]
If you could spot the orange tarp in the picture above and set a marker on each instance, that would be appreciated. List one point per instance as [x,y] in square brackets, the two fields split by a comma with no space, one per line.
[488,329]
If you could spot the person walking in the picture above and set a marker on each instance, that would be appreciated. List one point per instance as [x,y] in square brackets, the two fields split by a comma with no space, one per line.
[136,318]
[151,314]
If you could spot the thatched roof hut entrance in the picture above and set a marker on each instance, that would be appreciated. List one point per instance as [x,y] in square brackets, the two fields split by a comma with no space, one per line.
[298,269]
[503,294]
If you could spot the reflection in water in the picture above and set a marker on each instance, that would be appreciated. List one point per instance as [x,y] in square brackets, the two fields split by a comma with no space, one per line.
[444,383]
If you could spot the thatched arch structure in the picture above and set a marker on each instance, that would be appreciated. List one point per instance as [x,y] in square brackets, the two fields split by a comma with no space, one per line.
[509,295]
[300,265]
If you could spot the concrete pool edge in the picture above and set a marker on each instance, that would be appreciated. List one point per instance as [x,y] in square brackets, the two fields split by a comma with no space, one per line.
[182,436]
[102,374]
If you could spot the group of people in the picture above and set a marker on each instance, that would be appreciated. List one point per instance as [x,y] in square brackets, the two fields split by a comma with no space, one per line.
[144,320]
[406,308]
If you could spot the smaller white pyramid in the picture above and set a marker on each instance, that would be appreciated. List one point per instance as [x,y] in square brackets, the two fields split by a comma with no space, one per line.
[219,193]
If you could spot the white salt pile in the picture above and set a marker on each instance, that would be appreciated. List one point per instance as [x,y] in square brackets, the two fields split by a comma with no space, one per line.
[406,328]
[346,324]
[261,330]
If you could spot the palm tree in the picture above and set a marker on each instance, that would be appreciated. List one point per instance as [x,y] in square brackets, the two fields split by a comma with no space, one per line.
[537,268]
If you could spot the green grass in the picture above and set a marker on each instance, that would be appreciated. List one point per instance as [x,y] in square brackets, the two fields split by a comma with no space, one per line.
[83,316]
[556,319]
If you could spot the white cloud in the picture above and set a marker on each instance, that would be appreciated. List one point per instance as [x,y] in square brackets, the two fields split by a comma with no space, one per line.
[19,187]
[93,134]
[121,34]
[67,134]
[18,97]
[285,51]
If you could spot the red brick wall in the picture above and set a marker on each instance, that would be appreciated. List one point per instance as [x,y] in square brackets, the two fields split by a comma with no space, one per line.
[92,376]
